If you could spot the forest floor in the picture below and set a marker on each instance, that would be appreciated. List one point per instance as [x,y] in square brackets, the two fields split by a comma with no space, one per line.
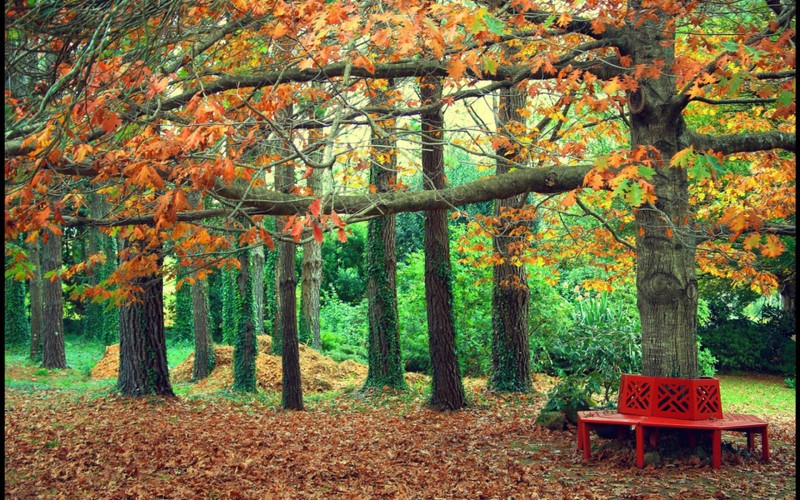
[87,442]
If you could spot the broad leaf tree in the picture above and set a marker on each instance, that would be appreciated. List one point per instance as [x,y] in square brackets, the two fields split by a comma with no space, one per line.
[675,109]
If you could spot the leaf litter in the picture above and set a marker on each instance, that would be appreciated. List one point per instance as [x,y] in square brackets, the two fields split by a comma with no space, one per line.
[74,444]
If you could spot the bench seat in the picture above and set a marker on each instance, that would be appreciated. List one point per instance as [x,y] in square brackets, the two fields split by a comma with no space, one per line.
[736,422]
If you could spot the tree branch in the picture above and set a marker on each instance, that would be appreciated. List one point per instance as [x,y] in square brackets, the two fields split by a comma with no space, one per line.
[743,143]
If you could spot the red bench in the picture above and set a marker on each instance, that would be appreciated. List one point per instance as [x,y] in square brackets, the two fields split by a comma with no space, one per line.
[654,403]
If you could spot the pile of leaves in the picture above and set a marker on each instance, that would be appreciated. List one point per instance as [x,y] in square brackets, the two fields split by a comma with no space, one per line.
[319,373]
[65,443]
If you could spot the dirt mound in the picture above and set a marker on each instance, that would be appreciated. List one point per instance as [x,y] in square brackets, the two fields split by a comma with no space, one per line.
[108,366]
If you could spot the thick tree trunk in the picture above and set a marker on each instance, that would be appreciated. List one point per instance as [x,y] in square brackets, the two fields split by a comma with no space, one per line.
[383,343]
[203,344]
[53,353]
[311,279]
[244,350]
[37,301]
[286,317]
[292,395]
[448,391]
[142,343]
[511,370]
[665,246]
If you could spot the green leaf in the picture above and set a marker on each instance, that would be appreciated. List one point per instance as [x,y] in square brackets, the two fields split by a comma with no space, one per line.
[700,169]
[490,65]
[635,195]
[785,98]
[622,188]
[646,172]
[495,25]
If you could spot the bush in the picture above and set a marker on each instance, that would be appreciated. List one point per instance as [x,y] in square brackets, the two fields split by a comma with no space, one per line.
[343,328]
[745,345]
[589,358]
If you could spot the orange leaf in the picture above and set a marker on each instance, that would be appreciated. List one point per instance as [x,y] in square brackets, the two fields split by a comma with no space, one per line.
[317,233]
[342,235]
[773,247]
[110,122]
[315,207]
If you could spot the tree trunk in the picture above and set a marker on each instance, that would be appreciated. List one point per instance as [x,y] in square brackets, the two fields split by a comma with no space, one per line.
[203,344]
[37,301]
[511,370]
[111,312]
[311,279]
[244,350]
[142,343]
[53,353]
[286,317]
[257,273]
[383,343]
[277,327]
[666,283]
[448,391]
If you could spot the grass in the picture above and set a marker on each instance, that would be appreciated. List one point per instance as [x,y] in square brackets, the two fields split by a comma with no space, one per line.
[756,393]
[741,393]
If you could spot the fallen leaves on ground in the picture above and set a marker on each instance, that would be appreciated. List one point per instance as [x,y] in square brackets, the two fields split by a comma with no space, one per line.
[318,373]
[62,442]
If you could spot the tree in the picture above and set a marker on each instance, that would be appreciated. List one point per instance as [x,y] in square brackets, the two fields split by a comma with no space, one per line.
[182,323]
[142,345]
[383,342]
[511,368]
[53,350]
[17,328]
[231,306]
[635,70]
[447,389]
[37,300]
[244,349]
[204,358]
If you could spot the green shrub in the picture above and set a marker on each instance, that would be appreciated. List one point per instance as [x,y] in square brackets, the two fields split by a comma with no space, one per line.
[745,345]
[603,343]
[343,327]
[791,383]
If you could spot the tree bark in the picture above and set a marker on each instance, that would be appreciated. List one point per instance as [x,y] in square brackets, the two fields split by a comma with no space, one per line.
[286,317]
[37,301]
[665,245]
[311,278]
[511,370]
[383,341]
[53,353]
[203,344]
[142,345]
[258,256]
[244,349]
[448,391]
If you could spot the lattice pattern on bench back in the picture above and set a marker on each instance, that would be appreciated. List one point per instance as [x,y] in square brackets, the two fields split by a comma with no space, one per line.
[687,399]
[707,399]
[635,393]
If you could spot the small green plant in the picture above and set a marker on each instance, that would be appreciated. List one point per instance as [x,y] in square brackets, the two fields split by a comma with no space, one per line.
[791,383]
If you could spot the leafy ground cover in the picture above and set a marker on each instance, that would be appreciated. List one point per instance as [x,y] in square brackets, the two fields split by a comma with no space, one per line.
[76,438]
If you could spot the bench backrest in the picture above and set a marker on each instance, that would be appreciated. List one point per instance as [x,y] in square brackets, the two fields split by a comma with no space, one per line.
[685,399]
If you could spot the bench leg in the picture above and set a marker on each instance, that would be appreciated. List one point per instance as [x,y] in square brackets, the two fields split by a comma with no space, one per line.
[640,446]
[587,444]
[580,433]
[764,445]
[716,449]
